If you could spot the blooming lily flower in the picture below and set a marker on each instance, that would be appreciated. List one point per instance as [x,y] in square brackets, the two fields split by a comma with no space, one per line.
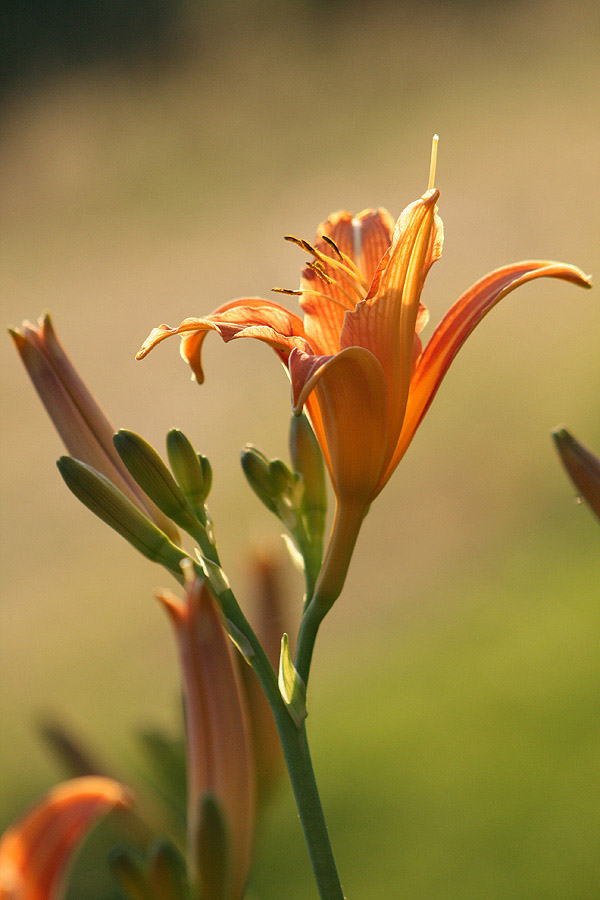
[219,748]
[36,852]
[83,427]
[356,361]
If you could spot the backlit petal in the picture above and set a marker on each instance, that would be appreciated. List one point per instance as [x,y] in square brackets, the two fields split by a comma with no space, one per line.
[457,325]
[351,393]
[385,322]
[36,852]
[246,317]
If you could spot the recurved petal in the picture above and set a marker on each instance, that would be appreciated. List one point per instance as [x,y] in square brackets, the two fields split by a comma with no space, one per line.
[36,852]
[457,325]
[351,393]
[245,317]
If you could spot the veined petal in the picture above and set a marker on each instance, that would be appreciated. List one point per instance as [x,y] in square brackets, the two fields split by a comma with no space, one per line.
[351,392]
[246,317]
[385,322]
[36,852]
[457,325]
[364,239]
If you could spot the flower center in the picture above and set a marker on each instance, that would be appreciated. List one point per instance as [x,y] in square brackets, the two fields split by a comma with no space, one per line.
[343,274]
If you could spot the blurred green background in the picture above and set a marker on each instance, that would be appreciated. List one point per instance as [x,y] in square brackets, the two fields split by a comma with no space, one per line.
[149,167]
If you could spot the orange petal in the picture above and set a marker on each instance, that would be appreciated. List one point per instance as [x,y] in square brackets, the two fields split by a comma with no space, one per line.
[385,322]
[36,852]
[457,325]
[245,317]
[351,393]
[219,748]
[364,239]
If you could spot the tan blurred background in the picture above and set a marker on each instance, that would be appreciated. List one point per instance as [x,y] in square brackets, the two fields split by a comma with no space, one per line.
[155,180]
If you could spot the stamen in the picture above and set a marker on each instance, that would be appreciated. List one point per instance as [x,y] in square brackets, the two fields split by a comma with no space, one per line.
[350,272]
[433,162]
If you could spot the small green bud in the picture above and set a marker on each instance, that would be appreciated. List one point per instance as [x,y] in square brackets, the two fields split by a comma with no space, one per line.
[189,471]
[206,473]
[129,871]
[256,469]
[108,503]
[307,461]
[166,872]
[213,851]
[152,475]
[281,477]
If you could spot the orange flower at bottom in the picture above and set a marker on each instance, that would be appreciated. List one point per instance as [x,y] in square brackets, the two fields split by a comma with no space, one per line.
[36,852]
[356,361]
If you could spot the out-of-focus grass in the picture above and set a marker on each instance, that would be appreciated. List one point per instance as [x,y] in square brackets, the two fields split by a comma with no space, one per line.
[455,689]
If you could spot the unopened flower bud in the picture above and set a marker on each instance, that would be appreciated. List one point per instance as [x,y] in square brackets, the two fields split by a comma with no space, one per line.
[219,752]
[189,471]
[307,461]
[85,431]
[108,503]
[166,872]
[582,466]
[151,474]
[256,469]
[282,478]
[129,870]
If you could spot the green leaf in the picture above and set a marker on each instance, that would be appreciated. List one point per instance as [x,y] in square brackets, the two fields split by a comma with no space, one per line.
[291,686]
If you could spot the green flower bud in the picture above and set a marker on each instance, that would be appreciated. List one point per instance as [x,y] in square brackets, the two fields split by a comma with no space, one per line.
[256,469]
[307,461]
[109,504]
[281,477]
[151,474]
[189,471]
[128,869]
[166,872]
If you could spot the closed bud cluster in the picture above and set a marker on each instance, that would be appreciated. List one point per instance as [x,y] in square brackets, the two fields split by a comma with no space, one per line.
[273,483]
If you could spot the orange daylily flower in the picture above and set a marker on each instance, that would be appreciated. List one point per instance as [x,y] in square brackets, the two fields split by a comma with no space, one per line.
[356,360]
[36,852]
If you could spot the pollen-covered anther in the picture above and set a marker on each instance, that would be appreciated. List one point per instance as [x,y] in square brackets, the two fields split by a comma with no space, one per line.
[344,266]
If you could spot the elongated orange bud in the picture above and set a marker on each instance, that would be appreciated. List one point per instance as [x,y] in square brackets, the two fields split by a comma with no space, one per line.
[219,749]
[84,429]
[36,852]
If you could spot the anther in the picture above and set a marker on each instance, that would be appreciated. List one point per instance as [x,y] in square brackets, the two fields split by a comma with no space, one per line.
[333,245]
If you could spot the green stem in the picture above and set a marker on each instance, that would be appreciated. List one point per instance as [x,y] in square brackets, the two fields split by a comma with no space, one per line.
[297,757]
[347,521]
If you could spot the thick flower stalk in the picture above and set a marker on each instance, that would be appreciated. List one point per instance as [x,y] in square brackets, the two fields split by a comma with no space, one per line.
[356,361]
[36,852]
[221,781]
